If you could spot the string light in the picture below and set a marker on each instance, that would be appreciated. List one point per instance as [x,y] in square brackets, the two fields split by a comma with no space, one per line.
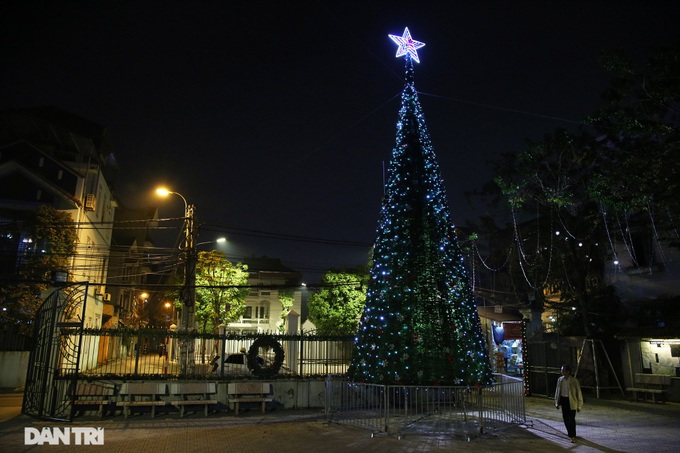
[420,325]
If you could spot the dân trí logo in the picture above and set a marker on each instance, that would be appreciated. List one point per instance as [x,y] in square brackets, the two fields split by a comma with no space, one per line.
[63,436]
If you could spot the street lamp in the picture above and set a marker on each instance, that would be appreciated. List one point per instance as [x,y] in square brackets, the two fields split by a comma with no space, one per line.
[138,308]
[220,240]
[171,309]
[189,293]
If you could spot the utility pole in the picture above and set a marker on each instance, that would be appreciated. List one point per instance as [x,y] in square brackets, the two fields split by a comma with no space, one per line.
[187,360]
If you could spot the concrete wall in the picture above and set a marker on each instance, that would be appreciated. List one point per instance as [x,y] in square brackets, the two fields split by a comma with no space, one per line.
[289,394]
[300,394]
[637,355]
[13,365]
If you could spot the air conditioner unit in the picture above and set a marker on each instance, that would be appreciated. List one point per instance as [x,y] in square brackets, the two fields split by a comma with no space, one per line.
[107,297]
[90,202]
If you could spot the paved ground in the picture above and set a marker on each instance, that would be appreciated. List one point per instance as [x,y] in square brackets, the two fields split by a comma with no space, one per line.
[603,426]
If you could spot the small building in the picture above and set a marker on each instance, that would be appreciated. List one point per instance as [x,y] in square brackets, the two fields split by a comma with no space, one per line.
[655,351]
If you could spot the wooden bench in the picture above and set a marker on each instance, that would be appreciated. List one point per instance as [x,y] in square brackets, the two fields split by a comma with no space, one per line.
[185,394]
[94,394]
[248,392]
[650,384]
[142,394]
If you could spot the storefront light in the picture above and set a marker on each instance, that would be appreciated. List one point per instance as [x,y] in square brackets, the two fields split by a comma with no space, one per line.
[660,342]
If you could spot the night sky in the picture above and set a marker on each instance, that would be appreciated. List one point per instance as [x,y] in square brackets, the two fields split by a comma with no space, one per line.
[277,116]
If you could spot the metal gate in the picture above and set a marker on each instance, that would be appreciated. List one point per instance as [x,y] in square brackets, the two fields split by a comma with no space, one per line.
[590,361]
[545,355]
[54,361]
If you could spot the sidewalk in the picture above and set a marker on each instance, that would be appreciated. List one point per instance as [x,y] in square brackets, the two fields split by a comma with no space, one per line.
[609,425]
[603,426]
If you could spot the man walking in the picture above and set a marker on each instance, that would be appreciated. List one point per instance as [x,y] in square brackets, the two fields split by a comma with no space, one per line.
[568,395]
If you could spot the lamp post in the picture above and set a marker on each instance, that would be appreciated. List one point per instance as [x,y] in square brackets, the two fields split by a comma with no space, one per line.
[187,363]
[169,318]
[141,309]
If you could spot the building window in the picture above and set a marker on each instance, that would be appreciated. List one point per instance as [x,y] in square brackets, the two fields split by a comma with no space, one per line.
[261,313]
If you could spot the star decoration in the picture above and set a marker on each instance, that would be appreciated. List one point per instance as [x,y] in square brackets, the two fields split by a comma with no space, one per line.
[407,45]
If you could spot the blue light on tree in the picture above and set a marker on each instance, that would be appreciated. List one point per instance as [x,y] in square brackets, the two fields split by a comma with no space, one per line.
[420,324]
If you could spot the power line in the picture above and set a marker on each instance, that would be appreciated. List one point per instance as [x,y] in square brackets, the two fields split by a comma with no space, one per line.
[179,286]
[287,237]
[505,109]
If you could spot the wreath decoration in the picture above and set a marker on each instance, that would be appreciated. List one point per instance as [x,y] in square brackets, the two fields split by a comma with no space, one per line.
[265,370]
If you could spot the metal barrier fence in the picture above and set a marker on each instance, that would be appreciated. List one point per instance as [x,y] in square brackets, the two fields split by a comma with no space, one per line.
[155,354]
[451,411]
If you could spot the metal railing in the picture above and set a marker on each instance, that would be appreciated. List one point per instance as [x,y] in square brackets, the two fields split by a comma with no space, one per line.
[155,354]
[441,410]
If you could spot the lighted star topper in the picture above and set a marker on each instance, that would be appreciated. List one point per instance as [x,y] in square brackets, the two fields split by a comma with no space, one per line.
[407,45]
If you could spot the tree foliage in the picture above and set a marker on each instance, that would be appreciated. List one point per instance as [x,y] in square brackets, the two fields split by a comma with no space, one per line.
[49,240]
[337,307]
[638,125]
[56,236]
[569,194]
[286,298]
[220,290]
[557,226]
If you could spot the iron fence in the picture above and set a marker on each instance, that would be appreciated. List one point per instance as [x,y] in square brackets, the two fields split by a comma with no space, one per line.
[156,354]
[441,410]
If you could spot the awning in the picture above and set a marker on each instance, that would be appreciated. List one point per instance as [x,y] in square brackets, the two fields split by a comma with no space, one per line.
[507,314]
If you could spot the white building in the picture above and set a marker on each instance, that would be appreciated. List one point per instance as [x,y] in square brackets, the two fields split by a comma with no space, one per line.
[270,282]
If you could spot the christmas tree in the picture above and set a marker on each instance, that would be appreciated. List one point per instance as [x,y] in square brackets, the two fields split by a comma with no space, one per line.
[420,324]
